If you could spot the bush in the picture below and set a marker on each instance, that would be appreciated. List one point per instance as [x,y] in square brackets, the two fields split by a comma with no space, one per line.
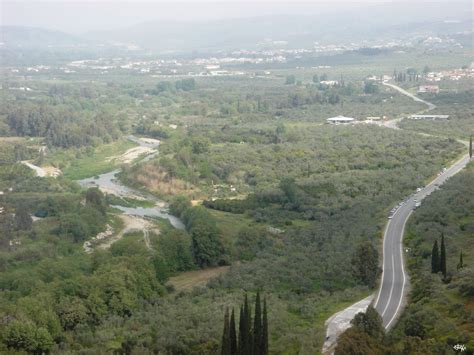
[465,282]
[25,336]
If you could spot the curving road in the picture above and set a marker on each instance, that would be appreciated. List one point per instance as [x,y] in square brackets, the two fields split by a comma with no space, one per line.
[393,287]
[391,297]
[410,95]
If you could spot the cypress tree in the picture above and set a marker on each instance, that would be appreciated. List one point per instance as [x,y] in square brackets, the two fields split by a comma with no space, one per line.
[461,264]
[470,147]
[241,331]
[246,347]
[435,258]
[249,331]
[264,346]
[442,261]
[233,335]
[257,326]
[226,349]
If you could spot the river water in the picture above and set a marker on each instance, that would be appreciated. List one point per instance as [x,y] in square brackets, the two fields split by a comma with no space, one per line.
[109,183]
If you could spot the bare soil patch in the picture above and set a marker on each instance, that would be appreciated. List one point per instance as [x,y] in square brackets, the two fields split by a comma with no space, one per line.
[191,279]
[131,223]
[131,154]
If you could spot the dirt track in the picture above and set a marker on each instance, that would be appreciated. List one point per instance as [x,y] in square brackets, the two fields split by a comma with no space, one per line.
[131,223]
[188,280]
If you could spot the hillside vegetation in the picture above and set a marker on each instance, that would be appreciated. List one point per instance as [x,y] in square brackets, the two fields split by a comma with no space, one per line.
[284,203]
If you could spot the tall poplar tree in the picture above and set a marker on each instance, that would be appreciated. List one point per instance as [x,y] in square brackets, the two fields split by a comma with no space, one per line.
[470,147]
[226,347]
[233,334]
[265,329]
[442,261]
[246,347]
[242,339]
[257,326]
[435,258]
[250,340]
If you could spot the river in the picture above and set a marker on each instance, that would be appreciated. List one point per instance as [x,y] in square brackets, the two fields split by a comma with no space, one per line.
[109,183]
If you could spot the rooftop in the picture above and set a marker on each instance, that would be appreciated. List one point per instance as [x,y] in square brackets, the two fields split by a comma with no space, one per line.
[340,118]
[418,117]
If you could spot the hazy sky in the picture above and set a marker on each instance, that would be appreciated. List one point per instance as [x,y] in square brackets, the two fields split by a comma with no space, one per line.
[89,15]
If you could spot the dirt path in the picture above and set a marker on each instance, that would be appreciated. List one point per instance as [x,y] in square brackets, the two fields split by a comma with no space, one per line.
[131,154]
[131,223]
[146,238]
[42,172]
[339,322]
[191,279]
[410,95]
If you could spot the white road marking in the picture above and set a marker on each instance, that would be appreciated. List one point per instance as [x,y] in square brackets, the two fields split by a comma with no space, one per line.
[383,262]
[452,170]
[391,288]
[383,256]
[403,272]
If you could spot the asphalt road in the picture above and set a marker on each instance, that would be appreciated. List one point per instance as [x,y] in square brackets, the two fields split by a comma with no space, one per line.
[410,95]
[391,296]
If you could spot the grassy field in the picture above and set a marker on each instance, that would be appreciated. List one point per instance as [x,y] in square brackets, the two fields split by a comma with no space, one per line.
[230,223]
[186,281]
[96,163]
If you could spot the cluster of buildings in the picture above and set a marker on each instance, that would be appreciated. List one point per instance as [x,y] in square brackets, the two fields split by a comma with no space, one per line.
[455,74]
[439,42]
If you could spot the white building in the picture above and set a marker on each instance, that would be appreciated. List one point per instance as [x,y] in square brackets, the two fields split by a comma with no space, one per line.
[340,119]
[373,118]
[428,117]
[432,89]
[329,82]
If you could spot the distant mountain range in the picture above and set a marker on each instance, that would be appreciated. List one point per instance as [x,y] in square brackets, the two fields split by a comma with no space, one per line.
[380,23]
[17,36]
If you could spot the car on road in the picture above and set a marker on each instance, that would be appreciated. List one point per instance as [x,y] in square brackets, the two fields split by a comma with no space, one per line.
[418,204]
